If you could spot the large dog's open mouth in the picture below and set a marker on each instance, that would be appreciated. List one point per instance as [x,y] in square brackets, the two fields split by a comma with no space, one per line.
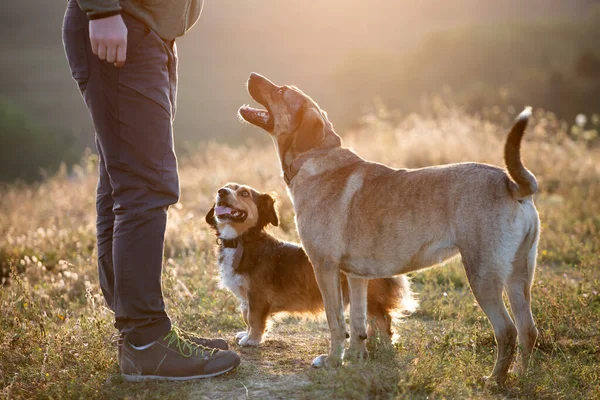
[226,212]
[260,118]
[257,87]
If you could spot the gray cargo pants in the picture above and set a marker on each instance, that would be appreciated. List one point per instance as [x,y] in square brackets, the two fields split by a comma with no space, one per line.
[132,109]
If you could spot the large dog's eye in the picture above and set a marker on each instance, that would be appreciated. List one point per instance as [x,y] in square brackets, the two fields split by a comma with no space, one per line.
[245,193]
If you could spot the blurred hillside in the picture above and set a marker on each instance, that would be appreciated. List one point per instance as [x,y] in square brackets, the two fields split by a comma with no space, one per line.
[550,64]
[343,53]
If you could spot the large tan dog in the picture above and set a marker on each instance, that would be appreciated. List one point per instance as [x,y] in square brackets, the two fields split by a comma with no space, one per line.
[371,221]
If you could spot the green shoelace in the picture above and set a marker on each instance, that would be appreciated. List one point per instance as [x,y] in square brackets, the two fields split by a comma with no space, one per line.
[186,347]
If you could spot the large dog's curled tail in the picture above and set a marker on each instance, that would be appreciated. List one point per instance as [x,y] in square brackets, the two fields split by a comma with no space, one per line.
[524,184]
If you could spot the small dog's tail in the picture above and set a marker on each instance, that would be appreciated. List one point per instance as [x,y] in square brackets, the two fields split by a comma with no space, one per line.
[389,301]
[407,303]
[524,184]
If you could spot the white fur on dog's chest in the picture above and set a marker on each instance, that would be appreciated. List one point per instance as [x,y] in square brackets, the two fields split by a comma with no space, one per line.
[230,279]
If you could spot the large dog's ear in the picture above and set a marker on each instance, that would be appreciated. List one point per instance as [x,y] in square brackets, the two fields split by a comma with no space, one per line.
[210,216]
[310,132]
[266,211]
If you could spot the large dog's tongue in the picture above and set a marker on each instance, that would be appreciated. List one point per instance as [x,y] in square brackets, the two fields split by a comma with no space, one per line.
[223,210]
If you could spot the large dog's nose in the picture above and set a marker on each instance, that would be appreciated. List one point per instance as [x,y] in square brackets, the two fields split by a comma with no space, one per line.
[255,76]
[260,82]
[223,192]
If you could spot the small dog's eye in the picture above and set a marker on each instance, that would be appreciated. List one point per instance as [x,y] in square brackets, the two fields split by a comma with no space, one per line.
[280,91]
[245,193]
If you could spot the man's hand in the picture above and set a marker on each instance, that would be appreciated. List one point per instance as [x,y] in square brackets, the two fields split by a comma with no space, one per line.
[109,39]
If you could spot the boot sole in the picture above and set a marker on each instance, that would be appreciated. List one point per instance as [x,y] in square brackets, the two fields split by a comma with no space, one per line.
[141,378]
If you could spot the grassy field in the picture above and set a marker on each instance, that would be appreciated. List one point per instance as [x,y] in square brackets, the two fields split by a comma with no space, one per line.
[55,330]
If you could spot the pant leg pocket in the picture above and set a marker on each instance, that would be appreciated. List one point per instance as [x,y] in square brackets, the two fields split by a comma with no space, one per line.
[144,104]
[146,70]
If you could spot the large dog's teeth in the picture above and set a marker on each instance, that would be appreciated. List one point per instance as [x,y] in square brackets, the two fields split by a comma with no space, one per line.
[264,115]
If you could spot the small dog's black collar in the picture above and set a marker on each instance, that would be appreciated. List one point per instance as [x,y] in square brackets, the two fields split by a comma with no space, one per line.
[228,243]
[238,245]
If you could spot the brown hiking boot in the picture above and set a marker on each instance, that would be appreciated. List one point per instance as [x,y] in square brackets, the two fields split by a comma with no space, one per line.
[118,339]
[174,358]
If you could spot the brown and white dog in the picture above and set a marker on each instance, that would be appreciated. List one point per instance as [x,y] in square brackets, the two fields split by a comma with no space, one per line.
[269,275]
[374,221]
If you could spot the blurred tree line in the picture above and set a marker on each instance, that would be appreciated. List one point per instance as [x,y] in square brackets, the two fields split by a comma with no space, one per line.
[554,65]
[27,150]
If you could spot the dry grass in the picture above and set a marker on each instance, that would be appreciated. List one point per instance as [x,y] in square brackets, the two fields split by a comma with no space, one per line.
[55,331]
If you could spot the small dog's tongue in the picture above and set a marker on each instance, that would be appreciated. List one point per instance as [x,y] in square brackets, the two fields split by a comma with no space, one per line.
[222,210]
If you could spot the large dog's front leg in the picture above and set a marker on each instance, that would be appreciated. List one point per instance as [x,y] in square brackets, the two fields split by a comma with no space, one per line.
[328,278]
[358,318]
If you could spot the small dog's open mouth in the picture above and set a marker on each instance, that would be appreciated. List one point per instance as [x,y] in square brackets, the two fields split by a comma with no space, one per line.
[225,211]
[260,118]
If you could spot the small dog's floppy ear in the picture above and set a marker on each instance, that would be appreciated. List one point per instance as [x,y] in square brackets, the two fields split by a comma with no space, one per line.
[266,211]
[210,216]
[310,131]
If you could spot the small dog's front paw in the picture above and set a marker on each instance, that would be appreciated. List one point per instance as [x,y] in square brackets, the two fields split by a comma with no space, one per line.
[241,335]
[324,361]
[248,341]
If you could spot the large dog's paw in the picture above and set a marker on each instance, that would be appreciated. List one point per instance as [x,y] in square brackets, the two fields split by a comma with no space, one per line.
[520,366]
[357,353]
[494,381]
[324,361]
[248,341]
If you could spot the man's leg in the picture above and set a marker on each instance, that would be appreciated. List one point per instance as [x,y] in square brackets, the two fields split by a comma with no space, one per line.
[105,222]
[132,109]
[132,112]
[75,32]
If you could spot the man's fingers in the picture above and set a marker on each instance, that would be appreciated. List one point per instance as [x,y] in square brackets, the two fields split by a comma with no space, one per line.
[94,43]
[101,51]
[111,53]
[121,55]
[107,36]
